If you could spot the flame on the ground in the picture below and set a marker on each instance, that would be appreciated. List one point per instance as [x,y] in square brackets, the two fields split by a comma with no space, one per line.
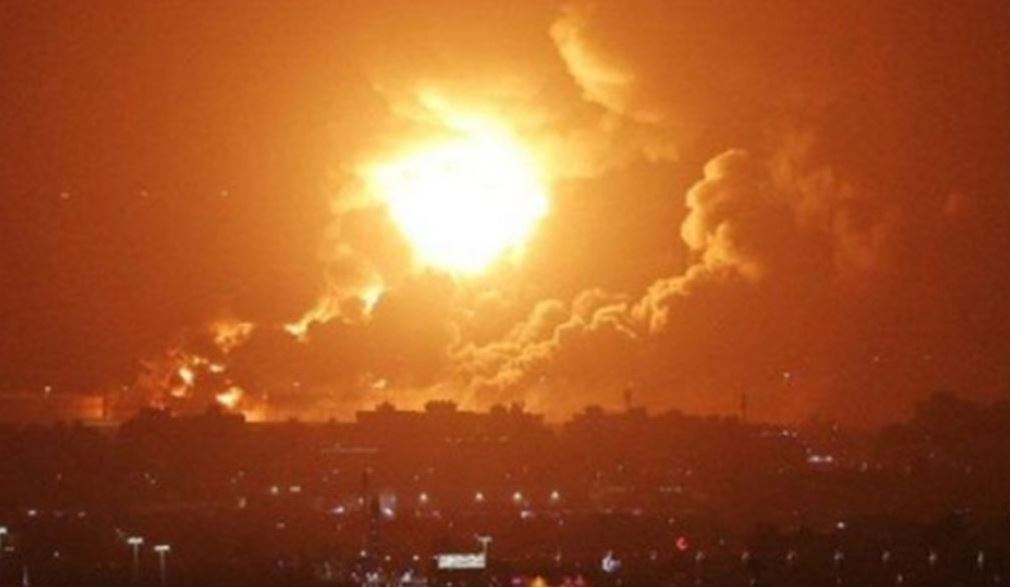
[230,397]
[230,334]
[185,381]
[187,375]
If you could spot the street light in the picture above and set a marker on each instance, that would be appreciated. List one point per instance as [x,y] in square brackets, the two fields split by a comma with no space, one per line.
[135,543]
[3,534]
[162,550]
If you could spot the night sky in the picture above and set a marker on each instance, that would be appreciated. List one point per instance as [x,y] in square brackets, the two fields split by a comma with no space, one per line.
[809,204]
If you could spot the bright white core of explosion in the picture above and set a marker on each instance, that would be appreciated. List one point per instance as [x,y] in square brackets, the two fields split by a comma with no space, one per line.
[465,202]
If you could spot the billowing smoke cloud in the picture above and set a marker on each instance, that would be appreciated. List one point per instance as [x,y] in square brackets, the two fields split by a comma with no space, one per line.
[809,241]
[798,201]
[753,240]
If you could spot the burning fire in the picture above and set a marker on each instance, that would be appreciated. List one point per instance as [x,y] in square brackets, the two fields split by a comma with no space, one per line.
[466,202]
[230,397]
[230,334]
[329,307]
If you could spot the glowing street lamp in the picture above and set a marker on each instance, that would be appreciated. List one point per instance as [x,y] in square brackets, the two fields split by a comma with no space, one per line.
[135,543]
[162,550]
[3,534]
